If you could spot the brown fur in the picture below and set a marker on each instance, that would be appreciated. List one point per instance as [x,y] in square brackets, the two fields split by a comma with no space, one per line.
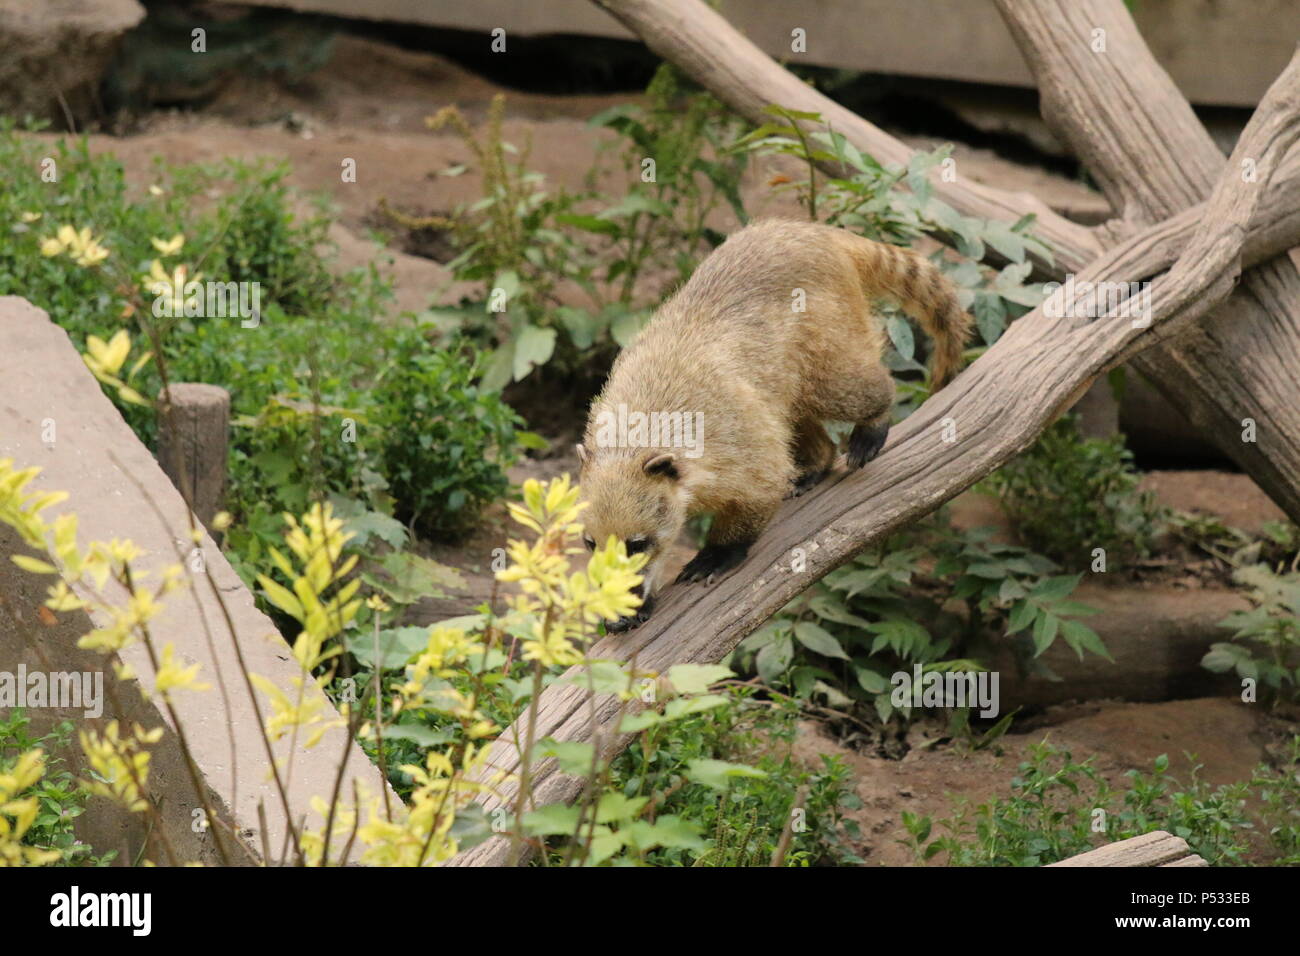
[729,345]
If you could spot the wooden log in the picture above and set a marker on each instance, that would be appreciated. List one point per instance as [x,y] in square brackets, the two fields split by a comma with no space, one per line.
[1156,848]
[193,441]
[991,412]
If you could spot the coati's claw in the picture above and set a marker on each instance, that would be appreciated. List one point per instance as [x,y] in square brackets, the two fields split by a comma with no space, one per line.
[865,442]
[807,482]
[635,620]
[713,559]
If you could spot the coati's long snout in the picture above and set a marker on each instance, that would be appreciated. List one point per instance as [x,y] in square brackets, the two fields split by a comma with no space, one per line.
[718,406]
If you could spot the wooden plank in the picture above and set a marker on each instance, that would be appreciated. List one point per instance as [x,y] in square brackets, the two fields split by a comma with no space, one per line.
[193,442]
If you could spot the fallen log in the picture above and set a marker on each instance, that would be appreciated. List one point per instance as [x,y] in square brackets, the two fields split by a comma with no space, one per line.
[1157,848]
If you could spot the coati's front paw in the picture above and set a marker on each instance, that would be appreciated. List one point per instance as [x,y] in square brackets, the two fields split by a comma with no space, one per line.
[636,619]
[713,559]
[865,442]
[807,482]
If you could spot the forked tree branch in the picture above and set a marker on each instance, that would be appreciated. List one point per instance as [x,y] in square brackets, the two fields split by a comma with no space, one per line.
[991,412]
[1105,94]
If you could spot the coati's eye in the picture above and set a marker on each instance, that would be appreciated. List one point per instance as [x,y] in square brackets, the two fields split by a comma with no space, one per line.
[638,544]
[589,541]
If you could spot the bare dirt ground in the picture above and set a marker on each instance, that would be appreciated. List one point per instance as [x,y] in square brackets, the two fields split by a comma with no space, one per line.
[369,104]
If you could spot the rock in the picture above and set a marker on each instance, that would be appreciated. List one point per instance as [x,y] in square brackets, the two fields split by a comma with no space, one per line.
[53,54]
[418,283]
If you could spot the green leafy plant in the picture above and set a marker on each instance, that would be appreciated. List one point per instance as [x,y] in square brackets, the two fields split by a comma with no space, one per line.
[446,439]
[730,769]
[891,609]
[1059,808]
[1278,792]
[522,239]
[60,799]
[314,415]
[1265,644]
[674,151]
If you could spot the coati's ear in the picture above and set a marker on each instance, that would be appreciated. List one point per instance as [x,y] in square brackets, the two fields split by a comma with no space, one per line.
[582,453]
[665,465]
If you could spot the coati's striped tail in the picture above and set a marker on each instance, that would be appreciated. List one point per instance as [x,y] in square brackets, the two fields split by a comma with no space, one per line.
[924,293]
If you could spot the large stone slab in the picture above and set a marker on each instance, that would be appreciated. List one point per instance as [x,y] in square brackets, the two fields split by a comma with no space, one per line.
[117,490]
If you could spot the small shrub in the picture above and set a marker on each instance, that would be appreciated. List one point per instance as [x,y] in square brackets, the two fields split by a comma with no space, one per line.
[324,396]
[1069,495]
[59,798]
[1052,814]
[445,441]
[695,769]
[888,610]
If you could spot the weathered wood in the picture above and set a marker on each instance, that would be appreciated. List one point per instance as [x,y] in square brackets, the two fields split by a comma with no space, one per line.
[193,440]
[993,411]
[1104,93]
[1156,848]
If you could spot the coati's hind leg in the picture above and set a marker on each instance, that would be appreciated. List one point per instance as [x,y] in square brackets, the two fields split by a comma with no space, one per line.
[813,453]
[854,386]
[735,529]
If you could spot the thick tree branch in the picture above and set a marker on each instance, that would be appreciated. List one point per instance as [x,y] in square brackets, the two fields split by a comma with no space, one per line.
[993,411]
[1105,94]
[1102,91]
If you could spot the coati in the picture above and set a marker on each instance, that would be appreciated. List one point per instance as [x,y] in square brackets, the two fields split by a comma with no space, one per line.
[773,335]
